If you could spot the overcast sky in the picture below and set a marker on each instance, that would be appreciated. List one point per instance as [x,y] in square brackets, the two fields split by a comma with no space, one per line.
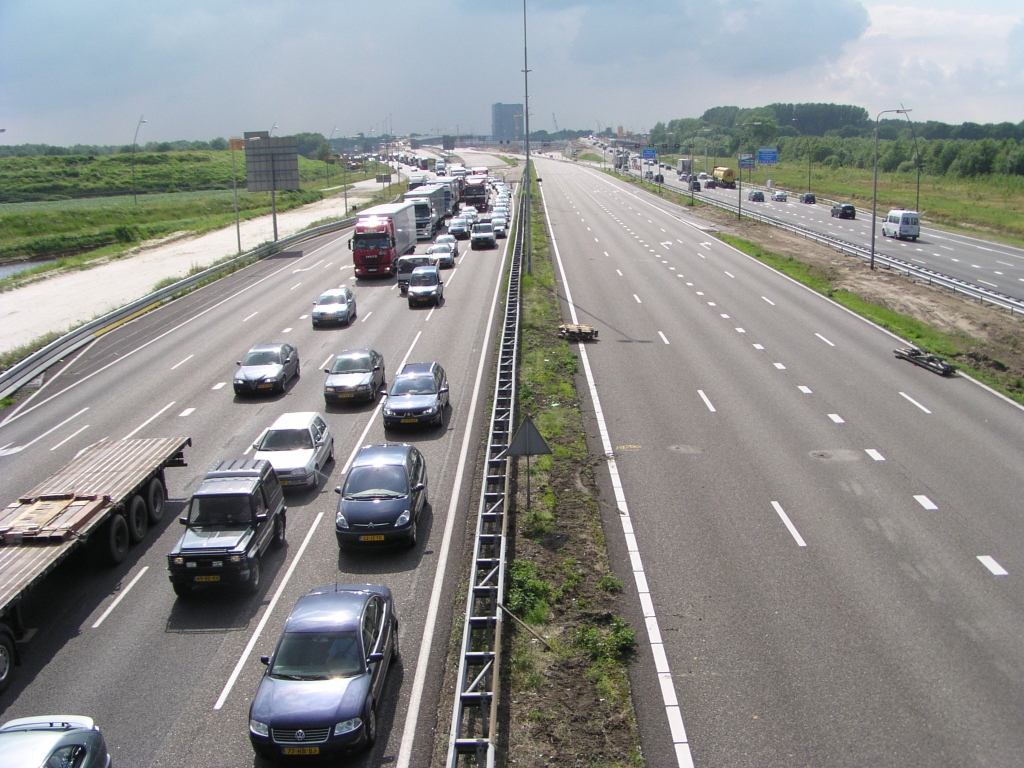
[85,71]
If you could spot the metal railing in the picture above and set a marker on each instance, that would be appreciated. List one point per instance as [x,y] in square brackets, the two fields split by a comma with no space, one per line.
[21,373]
[475,711]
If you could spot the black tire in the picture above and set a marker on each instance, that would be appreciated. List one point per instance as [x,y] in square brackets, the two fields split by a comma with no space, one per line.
[156,500]
[117,539]
[371,727]
[298,370]
[279,533]
[414,533]
[396,655]
[252,586]
[182,590]
[7,657]
[138,519]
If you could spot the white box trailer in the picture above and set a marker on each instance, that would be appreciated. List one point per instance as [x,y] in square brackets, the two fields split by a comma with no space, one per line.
[430,208]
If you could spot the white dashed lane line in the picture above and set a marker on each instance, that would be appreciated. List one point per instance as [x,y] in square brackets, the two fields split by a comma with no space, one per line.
[250,317]
[789,524]
[824,339]
[912,400]
[836,418]
[187,412]
[637,299]
[768,300]
[805,390]
[874,454]
[663,337]
[925,502]
[219,385]
[995,568]
[707,402]
[182,362]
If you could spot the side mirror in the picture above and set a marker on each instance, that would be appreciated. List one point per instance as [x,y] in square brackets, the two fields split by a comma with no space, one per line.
[314,303]
[376,658]
[376,367]
[350,243]
[265,660]
[444,388]
[261,516]
[183,520]
[256,446]
[337,489]
[418,487]
[238,362]
[327,370]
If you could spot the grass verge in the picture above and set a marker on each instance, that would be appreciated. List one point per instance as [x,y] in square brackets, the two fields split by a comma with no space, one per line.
[570,706]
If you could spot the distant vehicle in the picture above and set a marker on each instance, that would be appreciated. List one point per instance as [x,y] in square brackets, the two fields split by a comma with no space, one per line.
[418,395]
[336,305]
[431,207]
[417,179]
[702,176]
[407,264]
[649,175]
[755,196]
[53,741]
[425,286]
[500,226]
[445,254]
[808,198]
[381,235]
[475,192]
[298,446]
[779,196]
[357,374]
[483,237]
[844,211]
[694,185]
[266,368]
[449,238]
[440,168]
[711,183]
[659,178]
[459,227]
[320,693]
[725,176]
[233,517]
[902,224]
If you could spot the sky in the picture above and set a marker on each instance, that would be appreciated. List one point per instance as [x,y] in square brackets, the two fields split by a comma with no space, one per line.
[86,72]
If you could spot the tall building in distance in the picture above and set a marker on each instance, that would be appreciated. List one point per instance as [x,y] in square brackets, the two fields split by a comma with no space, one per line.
[507,122]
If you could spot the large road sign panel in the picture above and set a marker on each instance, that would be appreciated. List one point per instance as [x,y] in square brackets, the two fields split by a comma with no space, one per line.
[768,155]
[650,154]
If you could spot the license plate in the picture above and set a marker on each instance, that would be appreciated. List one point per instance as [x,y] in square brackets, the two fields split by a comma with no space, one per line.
[207,578]
[372,537]
[265,386]
[347,394]
[287,482]
[302,750]
[409,421]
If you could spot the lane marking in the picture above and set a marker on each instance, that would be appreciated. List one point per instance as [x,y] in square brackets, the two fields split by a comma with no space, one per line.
[327,361]
[768,300]
[780,366]
[908,397]
[874,454]
[150,419]
[637,299]
[251,316]
[836,418]
[725,317]
[824,339]
[758,346]
[120,597]
[73,434]
[925,502]
[51,430]
[711,304]
[219,385]
[993,566]
[706,401]
[294,286]
[187,412]
[619,271]
[789,524]
[805,390]
[366,316]
[287,330]
[663,337]
[182,362]
[731,275]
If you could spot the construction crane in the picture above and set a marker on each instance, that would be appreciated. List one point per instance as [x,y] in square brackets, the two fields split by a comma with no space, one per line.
[555,121]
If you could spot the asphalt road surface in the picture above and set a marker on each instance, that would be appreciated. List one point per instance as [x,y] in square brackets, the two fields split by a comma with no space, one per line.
[821,541]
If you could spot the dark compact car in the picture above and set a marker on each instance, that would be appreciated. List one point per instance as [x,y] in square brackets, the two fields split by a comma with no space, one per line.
[844,211]
[755,196]
[233,517]
[710,184]
[418,395]
[357,374]
[383,497]
[808,197]
[425,287]
[52,741]
[325,680]
[266,368]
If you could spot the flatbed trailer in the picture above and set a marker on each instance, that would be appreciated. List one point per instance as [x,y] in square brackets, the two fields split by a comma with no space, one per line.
[109,493]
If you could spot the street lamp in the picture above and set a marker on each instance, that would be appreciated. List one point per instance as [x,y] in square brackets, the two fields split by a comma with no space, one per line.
[134,139]
[739,163]
[874,185]
[329,155]
[526,130]
[917,162]
[271,131]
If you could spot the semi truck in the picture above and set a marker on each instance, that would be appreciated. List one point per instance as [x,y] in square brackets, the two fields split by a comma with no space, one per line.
[475,192]
[725,176]
[108,495]
[382,234]
[451,193]
[431,208]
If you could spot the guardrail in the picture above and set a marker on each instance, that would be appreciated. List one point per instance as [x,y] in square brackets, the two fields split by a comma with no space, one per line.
[889,262]
[475,712]
[21,373]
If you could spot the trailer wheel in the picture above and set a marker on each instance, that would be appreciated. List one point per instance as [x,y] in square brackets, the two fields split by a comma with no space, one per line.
[7,658]
[138,519]
[117,539]
[156,498]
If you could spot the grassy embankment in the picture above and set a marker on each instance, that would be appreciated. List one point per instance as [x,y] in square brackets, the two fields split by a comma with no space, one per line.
[590,157]
[569,706]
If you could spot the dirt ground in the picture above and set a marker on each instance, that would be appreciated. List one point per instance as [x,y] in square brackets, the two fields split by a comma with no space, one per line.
[990,338]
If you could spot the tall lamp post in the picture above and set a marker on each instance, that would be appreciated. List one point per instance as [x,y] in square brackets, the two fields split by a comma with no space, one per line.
[917,162]
[329,155]
[135,138]
[739,167]
[526,129]
[874,183]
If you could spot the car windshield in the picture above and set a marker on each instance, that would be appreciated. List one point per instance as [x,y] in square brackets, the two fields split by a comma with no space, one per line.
[482,229]
[371,241]
[286,440]
[318,656]
[445,239]
[376,482]
[423,278]
[438,249]
[220,510]
[333,298]
[351,365]
[266,357]
[413,385]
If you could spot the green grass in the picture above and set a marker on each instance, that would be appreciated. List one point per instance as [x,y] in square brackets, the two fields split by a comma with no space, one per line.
[590,157]
[508,160]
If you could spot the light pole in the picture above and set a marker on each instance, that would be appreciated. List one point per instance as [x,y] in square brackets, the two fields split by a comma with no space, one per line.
[526,128]
[874,183]
[917,162]
[135,138]
[329,140]
[739,164]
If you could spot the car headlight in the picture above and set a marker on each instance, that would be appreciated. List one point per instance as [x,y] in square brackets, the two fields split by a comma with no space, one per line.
[339,520]
[347,726]
[178,561]
[239,381]
[403,518]
[236,558]
[329,389]
[363,388]
[388,411]
[260,729]
[431,410]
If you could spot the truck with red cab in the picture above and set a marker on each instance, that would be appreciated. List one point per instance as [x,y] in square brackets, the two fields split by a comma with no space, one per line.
[382,234]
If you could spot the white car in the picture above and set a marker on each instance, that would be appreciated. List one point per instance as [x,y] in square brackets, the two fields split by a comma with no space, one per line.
[448,239]
[500,226]
[336,305]
[443,253]
[779,196]
[298,447]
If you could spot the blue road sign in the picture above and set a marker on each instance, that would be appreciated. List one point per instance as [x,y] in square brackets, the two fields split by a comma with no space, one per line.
[650,154]
[768,155]
[746,161]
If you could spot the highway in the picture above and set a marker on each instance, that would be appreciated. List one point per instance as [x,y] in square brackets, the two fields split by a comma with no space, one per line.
[991,265]
[169,681]
[820,542]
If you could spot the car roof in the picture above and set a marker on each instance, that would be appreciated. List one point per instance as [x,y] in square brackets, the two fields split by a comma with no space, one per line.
[391,454]
[227,486]
[60,723]
[272,347]
[416,368]
[295,420]
[335,292]
[426,270]
[337,610]
[353,353]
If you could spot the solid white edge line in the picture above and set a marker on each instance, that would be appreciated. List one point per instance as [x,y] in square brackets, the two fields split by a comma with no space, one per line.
[672,711]
[266,615]
[423,660]
[789,524]
[73,434]
[120,597]
[151,418]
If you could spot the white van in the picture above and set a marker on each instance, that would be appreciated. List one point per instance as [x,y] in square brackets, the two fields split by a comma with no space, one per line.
[901,224]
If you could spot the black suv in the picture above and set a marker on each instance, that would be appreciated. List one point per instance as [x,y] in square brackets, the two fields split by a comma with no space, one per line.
[844,211]
[235,514]
[808,197]
[418,395]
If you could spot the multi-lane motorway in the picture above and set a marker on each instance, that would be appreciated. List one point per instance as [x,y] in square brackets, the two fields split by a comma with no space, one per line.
[170,680]
[821,541]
